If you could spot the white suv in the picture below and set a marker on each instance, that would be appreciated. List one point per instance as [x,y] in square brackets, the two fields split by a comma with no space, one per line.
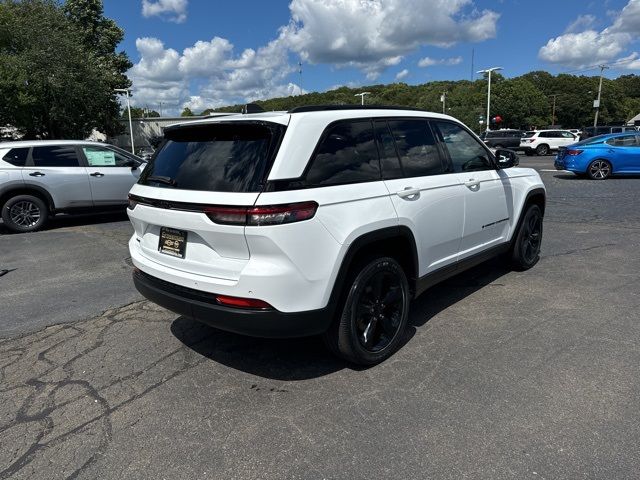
[542,142]
[324,220]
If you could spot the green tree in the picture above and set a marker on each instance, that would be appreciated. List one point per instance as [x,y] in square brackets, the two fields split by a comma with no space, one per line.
[186,112]
[57,81]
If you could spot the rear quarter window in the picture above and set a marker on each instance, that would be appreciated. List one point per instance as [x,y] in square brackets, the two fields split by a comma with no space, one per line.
[346,154]
[17,156]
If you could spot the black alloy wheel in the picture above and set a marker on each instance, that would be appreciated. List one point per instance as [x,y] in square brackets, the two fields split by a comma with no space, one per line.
[599,170]
[374,315]
[24,213]
[526,250]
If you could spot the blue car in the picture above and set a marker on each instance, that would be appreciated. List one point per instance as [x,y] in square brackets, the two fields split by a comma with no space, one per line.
[602,156]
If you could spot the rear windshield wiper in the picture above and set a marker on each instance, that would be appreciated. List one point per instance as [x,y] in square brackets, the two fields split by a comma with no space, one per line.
[160,179]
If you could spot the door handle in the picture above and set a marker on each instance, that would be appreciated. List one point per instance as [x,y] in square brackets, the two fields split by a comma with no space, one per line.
[97,174]
[409,193]
[36,174]
[472,182]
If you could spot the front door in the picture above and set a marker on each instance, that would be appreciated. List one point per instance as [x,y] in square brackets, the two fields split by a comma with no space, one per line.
[111,174]
[486,217]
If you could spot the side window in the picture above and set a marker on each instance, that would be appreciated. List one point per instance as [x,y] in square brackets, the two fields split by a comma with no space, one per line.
[104,157]
[467,155]
[389,159]
[55,156]
[347,154]
[17,156]
[544,135]
[417,148]
[628,141]
[567,135]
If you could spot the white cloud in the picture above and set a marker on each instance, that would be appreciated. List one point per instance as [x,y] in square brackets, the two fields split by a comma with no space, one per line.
[172,10]
[402,74]
[581,23]
[429,62]
[371,35]
[374,34]
[590,47]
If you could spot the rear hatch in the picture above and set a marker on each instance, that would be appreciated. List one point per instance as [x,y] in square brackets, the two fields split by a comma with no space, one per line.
[527,139]
[185,206]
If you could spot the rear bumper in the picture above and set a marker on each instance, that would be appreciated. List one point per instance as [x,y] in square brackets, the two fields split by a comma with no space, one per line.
[256,323]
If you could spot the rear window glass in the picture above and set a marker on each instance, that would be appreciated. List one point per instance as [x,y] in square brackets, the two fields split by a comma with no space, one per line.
[528,134]
[223,157]
[17,156]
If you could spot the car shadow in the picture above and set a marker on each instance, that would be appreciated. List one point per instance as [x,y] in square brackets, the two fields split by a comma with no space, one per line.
[65,221]
[306,358]
[573,176]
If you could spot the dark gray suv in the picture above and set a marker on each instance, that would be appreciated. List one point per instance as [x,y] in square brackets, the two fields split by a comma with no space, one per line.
[502,138]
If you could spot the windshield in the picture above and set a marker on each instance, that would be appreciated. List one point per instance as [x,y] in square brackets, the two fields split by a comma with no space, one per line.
[217,157]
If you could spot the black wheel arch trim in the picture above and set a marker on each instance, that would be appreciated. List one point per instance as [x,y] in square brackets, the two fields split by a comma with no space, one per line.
[358,245]
[27,189]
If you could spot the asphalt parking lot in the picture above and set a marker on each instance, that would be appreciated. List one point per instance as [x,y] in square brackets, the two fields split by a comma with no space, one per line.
[503,374]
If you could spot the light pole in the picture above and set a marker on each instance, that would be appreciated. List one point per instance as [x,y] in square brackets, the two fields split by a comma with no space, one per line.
[596,104]
[443,99]
[361,95]
[488,72]
[126,91]
[553,110]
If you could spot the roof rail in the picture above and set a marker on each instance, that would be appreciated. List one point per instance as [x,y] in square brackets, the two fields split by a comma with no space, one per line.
[252,108]
[323,108]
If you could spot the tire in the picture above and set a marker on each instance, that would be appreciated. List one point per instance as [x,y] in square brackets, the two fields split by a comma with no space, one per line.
[599,169]
[528,153]
[24,213]
[374,314]
[542,149]
[526,247]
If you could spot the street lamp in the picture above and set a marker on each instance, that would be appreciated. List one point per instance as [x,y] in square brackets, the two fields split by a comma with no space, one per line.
[488,72]
[361,95]
[126,91]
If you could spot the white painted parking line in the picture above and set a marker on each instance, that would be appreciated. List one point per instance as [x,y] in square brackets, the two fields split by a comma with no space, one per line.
[554,170]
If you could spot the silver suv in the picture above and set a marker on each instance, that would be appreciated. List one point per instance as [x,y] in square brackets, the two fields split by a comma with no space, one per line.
[40,178]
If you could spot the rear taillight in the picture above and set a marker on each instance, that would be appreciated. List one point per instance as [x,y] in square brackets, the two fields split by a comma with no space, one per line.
[262,215]
[573,153]
[132,203]
[237,302]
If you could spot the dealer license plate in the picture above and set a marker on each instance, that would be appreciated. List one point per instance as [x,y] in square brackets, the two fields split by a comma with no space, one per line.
[172,242]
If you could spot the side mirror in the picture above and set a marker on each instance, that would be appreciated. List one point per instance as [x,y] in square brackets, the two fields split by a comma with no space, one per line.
[133,164]
[506,158]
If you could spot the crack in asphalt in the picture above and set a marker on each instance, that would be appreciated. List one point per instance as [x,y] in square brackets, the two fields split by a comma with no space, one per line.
[50,397]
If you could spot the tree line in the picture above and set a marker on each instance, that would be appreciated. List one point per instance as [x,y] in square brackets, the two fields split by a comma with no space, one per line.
[59,68]
[521,102]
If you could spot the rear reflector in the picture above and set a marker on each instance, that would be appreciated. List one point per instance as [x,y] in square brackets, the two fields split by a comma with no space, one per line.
[263,215]
[573,153]
[242,302]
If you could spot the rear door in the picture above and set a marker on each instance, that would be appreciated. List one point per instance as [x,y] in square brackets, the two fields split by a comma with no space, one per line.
[487,193]
[111,174]
[426,195]
[202,172]
[58,170]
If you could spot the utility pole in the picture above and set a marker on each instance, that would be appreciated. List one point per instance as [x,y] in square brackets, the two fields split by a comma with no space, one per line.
[596,104]
[473,54]
[160,109]
[443,99]
[553,111]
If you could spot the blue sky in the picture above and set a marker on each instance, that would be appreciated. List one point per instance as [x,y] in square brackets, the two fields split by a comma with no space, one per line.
[208,53]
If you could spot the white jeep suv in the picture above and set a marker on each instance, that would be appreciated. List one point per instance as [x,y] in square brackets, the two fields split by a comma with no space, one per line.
[324,220]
